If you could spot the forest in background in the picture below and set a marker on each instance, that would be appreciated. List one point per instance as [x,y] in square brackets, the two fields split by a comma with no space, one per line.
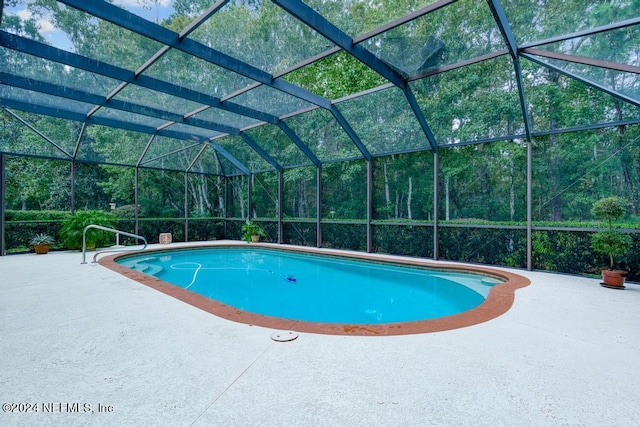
[478,183]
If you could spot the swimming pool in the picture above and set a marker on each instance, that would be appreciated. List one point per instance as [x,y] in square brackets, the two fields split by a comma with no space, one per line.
[317,288]
[283,287]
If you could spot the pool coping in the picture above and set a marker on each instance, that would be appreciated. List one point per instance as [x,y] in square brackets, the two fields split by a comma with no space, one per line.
[498,302]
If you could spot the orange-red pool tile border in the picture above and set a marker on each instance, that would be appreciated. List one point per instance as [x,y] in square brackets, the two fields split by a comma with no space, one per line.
[498,302]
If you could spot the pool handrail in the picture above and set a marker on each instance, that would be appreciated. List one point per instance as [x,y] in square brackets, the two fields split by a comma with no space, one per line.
[100,227]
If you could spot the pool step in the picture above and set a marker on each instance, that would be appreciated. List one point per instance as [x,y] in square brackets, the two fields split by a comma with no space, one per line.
[149,269]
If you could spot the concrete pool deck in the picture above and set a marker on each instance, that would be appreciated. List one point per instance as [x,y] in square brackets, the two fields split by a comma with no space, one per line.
[87,346]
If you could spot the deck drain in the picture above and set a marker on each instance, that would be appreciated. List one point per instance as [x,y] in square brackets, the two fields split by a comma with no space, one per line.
[284,336]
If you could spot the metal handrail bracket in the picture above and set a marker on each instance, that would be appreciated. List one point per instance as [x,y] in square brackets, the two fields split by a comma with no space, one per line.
[99,227]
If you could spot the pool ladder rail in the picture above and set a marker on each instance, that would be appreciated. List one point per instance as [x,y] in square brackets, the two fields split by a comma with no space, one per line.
[117,232]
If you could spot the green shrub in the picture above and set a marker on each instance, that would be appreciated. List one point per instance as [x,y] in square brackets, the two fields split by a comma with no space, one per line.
[151,228]
[344,236]
[18,234]
[42,239]
[73,227]
[205,229]
[250,228]
[300,233]
[611,242]
[609,209]
[125,211]
[17,215]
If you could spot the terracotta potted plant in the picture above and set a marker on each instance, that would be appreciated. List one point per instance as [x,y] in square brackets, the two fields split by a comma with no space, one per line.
[611,242]
[41,243]
[251,232]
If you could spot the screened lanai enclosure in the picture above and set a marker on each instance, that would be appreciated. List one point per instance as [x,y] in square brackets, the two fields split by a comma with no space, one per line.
[471,130]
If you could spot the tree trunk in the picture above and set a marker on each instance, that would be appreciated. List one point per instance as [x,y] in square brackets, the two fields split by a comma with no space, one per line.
[237,189]
[487,191]
[204,189]
[220,184]
[410,193]
[396,210]
[628,182]
[556,199]
[387,196]
[303,200]
[512,191]
[625,160]
[195,196]
[634,206]
[446,197]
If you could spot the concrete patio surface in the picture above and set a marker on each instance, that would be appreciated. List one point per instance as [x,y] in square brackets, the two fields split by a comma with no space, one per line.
[86,346]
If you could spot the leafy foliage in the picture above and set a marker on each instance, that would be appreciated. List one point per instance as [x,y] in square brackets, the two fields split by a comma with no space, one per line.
[19,234]
[336,76]
[42,239]
[250,229]
[300,233]
[205,229]
[73,227]
[15,215]
[482,184]
[611,242]
[344,236]
[609,209]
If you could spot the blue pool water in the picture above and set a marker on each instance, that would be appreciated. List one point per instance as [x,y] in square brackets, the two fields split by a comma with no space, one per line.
[316,288]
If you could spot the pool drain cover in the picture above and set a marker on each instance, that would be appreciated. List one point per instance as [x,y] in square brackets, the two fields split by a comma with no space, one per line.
[284,336]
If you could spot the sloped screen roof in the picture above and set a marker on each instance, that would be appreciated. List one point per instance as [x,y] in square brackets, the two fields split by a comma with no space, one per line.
[234,87]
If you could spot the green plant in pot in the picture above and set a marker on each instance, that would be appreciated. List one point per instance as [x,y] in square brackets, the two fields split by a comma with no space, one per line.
[251,232]
[611,242]
[73,227]
[41,243]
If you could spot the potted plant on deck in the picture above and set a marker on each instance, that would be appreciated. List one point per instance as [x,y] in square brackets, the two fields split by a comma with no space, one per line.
[251,232]
[611,242]
[41,243]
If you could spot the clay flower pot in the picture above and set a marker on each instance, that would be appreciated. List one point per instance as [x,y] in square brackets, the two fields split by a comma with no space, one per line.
[42,248]
[613,278]
[41,243]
